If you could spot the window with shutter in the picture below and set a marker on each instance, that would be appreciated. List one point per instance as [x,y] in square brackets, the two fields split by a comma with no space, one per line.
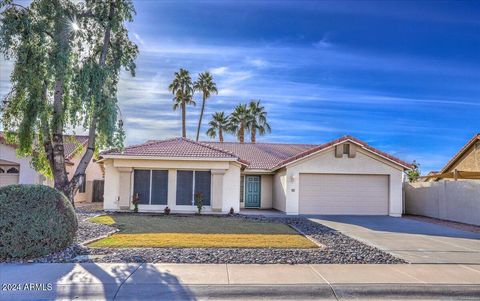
[202,185]
[184,187]
[159,187]
[141,185]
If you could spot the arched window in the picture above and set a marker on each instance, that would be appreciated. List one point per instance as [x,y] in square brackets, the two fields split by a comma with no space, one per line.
[12,170]
[2,170]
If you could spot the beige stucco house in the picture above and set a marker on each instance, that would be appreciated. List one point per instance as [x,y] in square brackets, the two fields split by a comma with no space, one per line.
[18,170]
[467,158]
[344,176]
[465,164]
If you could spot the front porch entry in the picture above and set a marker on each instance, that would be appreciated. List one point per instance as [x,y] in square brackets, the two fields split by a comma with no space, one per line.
[252,191]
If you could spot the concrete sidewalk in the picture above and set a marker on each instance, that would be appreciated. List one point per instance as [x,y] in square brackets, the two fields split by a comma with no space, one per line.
[233,282]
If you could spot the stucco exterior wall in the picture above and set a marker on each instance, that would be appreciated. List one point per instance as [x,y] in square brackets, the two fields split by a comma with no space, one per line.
[266,192]
[231,188]
[27,174]
[450,200]
[470,161]
[118,187]
[93,172]
[363,163]
[280,190]
[111,192]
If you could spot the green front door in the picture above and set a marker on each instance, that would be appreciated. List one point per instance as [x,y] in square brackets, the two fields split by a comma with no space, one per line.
[252,191]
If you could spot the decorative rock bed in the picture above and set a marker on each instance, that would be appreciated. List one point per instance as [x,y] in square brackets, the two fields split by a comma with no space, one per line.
[339,248]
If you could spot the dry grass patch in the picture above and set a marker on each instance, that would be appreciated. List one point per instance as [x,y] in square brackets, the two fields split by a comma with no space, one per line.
[160,231]
[103,219]
[197,240]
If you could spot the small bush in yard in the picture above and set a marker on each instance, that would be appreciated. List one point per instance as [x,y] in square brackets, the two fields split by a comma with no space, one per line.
[35,220]
[199,201]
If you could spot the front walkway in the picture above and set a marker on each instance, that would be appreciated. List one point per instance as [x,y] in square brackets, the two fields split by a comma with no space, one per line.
[412,240]
[90,281]
[262,212]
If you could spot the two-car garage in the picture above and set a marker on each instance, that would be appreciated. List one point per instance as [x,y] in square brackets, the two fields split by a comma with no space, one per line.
[351,194]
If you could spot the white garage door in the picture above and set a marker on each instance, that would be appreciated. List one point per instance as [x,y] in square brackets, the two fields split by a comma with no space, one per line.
[343,194]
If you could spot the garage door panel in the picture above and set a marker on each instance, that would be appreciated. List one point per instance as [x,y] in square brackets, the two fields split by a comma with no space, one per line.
[343,194]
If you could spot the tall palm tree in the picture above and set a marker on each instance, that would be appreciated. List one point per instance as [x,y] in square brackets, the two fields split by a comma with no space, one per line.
[239,120]
[258,120]
[204,84]
[182,90]
[218,125]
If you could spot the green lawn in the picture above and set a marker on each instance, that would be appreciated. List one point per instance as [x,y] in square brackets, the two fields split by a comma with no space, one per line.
[197,231]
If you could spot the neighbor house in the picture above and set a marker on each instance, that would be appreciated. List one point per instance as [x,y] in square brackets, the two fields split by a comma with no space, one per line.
[344,176]
[467,158]
[18,170]
[465,164]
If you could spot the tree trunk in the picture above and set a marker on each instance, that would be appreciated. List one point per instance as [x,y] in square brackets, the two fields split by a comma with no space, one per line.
[253,135]
[201,115]
[184,130]
[79,175]
[220,135]
[241,133]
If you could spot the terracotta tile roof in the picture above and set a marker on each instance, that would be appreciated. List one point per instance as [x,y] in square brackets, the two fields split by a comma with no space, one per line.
[70,145]
[175,147]
[340,140]
[260,156]
[460,153]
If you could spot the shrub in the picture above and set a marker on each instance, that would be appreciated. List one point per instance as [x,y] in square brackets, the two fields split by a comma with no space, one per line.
[35,220]
[199,201]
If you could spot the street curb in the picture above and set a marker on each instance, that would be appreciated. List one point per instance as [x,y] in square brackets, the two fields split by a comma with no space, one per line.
[300,292]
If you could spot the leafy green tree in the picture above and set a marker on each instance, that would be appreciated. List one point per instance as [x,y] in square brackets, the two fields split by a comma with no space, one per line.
[67,59]
[239,120]
[414,173]
[218,125]
[258,120]
[204,84]
[182,90]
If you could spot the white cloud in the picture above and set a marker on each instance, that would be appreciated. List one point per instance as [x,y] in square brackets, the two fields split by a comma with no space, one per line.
[139,39]
[219,70]
[259,63]
[323,43]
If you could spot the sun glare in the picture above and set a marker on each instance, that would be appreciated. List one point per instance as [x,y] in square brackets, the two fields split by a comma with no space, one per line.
[75,26]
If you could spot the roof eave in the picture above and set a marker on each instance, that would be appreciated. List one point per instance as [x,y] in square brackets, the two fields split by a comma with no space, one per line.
[406,167]
[461,152]
[128,157]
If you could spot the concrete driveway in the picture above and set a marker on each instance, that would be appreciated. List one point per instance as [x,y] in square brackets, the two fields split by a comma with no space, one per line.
[414,241]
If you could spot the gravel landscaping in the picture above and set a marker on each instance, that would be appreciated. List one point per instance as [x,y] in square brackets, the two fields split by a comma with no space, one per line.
[338,248]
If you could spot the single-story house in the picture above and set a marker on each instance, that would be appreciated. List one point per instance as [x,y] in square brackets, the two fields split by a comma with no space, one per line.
[465,164]
[344,176]
[18,170]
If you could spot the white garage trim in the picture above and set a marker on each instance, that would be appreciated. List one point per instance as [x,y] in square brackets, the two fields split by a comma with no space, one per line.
[344,194]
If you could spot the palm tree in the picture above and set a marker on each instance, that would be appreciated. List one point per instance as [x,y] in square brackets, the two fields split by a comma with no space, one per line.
[239,120]
[205,85]
[258,120]
[218,125]
[182,90]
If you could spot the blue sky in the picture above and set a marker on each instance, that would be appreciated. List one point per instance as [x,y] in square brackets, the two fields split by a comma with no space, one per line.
[402,76]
